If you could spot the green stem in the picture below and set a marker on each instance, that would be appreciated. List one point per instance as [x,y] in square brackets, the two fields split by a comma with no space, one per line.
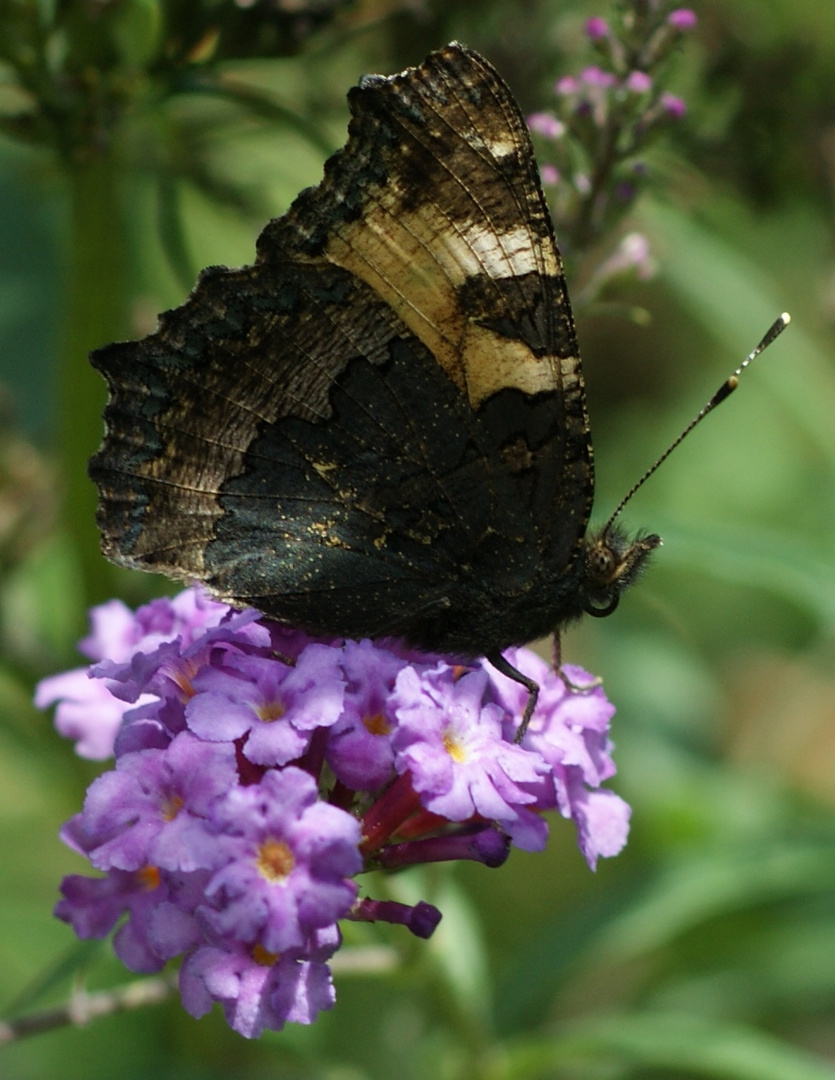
[97,291]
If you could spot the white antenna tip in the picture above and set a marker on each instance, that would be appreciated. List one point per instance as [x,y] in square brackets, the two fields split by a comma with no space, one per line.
[724,391]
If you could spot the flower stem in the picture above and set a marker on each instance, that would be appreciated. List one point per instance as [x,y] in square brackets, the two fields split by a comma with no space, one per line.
[97,290]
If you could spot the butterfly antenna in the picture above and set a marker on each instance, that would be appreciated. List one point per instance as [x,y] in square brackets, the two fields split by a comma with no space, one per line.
[724,391]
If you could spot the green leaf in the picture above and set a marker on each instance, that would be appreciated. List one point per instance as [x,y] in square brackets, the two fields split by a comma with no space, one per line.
[136,29]
[683,1045]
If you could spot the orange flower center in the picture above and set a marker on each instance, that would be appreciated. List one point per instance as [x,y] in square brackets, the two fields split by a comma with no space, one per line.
[181,674]
[148,877]
[171,806]
[261,956]
[377,724]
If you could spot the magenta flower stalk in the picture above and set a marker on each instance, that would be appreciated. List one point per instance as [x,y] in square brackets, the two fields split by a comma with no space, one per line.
[604,118]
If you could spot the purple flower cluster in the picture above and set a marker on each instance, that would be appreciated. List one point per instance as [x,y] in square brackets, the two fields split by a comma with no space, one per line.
[606,116]
[258,772]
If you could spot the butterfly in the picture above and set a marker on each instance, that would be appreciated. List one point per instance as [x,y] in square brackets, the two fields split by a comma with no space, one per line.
[379,428]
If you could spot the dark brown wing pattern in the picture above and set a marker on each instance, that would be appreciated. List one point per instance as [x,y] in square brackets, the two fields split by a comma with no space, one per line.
[378,428]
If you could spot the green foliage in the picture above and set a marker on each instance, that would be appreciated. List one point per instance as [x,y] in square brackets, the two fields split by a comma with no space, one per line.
[708,948]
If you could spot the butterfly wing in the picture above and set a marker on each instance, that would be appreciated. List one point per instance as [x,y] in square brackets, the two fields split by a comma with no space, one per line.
[378,428]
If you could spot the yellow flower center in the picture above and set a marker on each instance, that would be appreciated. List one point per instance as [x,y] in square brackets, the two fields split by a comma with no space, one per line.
[270,710]
[456,750]
[275,860]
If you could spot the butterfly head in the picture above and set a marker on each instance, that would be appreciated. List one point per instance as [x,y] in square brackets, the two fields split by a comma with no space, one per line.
[612,563]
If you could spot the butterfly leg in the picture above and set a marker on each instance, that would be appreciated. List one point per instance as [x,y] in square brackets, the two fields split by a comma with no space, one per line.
[506,668]
[556,663]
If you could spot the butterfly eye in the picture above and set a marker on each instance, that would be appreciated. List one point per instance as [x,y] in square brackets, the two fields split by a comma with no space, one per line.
[603,592]
[601,564]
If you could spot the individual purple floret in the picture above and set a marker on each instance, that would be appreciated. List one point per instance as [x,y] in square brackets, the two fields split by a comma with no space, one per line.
[682,19]
[88,710]
[597,28]
[259,991]
[289,860]
[570,730]
[451,745]
[153,807]
[359,746]
[674,106]
[271,706]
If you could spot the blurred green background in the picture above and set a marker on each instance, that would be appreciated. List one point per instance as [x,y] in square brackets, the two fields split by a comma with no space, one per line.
[707,949]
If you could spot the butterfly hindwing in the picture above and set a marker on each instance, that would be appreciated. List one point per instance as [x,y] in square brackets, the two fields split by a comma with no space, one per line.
[378,428]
